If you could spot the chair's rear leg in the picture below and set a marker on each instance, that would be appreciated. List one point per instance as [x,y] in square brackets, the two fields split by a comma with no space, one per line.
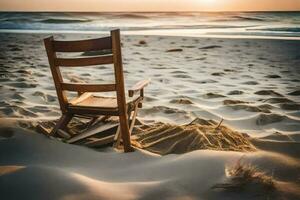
[125,133]
[61,124]
[133,119]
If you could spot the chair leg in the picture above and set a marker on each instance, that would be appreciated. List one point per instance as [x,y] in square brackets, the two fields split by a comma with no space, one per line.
[117,138]
[133,119]
[131,125]
[124,128]
[61,124]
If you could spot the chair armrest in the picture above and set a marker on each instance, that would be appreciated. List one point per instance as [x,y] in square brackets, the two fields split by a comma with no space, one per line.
[139,86]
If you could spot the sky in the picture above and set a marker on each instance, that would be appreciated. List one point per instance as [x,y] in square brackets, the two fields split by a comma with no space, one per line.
[149,5]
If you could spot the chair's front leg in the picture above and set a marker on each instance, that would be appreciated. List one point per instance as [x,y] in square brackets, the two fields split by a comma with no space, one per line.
[61,124]
[117,138]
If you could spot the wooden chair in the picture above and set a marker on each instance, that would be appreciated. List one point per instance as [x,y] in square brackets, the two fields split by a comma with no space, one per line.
[86,103]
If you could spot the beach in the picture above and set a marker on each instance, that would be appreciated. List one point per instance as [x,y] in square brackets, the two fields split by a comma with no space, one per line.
[250,86]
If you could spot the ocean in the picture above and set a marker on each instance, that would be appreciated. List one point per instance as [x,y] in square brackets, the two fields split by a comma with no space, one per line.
[196,24]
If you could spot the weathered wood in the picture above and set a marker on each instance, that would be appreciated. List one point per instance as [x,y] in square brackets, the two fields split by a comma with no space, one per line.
[43,130]
[84,110]
[86,104]
[96,102]
[83,45]
[138,87]
[92,132]
[88,87]
[61,124]
[62,97]
[119,77]
[80,62]
[133,119]
[81,98]
[63,134]
[100,142]
[117,138]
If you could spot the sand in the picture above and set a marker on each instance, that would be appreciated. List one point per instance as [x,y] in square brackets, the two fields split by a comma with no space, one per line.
[252,84]
[34,167]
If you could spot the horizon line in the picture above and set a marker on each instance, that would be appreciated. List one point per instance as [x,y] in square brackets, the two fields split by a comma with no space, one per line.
[77,11]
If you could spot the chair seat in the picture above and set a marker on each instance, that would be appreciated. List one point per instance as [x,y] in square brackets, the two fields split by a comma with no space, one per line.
[90,101]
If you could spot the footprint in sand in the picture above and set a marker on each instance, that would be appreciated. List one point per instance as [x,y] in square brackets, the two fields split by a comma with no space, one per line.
[233,102]
[295,93]
[278,100]
[211,95]
[211,47]
[235,92]
[290,106]
[268,92]
[218,74]
[265,119]
[273,76]
[181,101]
[182,76]
[250,83]
[22,85]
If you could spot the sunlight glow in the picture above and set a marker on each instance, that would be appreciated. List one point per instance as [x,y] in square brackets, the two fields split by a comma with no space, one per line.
[148,5]
[209,1]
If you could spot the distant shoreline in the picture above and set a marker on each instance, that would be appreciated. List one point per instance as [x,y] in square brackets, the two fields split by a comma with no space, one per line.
[18,31]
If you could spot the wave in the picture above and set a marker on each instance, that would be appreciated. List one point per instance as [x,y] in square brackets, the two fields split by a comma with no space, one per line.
[17,20]
[239,18]
[63,21]
[185,23]
[132,16]
[279,29]
[197,26]
[248,18]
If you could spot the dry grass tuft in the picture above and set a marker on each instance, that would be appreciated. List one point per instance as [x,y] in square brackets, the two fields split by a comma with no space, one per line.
[243,176]
[165,139]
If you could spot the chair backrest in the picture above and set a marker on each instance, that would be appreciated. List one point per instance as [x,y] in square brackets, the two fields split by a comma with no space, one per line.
[111,45]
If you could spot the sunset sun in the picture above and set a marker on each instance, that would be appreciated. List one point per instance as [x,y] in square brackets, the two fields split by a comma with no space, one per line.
[208,1]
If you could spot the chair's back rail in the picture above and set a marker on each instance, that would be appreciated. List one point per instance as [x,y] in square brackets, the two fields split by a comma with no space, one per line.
[79,62]
[110,53]
[88,87]
[83,45]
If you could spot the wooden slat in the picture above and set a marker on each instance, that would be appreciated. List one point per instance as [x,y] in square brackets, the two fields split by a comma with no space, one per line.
[88,87]
[63,134]
[93,131]
[100,142]
[43,130]
[79,62]
[96,111]
[80,98]
[82,45]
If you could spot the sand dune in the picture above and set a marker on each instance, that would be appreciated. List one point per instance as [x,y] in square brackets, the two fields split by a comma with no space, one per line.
[53,170]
